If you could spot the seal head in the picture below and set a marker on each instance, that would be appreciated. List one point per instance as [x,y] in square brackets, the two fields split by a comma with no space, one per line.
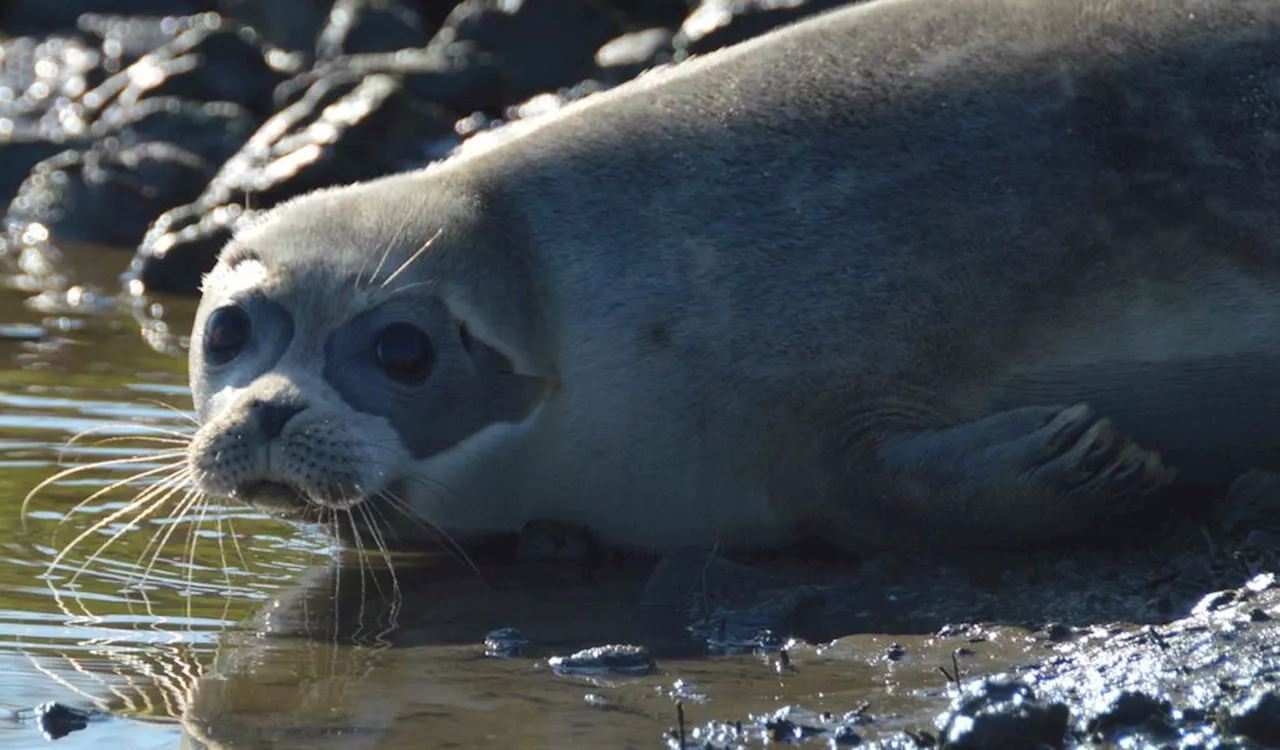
[328,359]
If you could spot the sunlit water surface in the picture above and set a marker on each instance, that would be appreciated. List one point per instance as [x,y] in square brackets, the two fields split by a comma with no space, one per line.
[213,626]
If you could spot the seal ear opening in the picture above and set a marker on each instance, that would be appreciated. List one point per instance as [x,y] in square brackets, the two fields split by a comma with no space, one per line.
[511,396]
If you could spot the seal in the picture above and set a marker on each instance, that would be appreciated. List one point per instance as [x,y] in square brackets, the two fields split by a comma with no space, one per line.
[908,273]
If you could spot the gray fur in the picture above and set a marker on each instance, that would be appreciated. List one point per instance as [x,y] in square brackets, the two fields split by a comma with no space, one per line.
[910,272]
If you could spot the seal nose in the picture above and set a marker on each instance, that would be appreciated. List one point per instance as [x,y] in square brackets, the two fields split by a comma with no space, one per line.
[271,416]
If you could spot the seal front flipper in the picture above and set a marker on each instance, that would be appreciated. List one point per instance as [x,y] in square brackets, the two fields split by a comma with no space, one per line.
[1019,476]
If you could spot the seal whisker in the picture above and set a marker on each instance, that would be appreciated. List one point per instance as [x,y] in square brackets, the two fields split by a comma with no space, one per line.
[235,544]
[162,536]
[361,569]
[149,500]
[226,565]
[183,483]
[455,549]
[334,520]
[393,612]
[151,505]
[26,501]
[410,260]
[431,484]
[175,434]
[371,522]
[385,253]
[186,415]
[408,287]
[142,497]
[193,538]
[142,438]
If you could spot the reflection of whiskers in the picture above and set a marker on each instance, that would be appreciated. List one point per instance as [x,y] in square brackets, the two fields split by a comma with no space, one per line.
[118,578]
[160,476]
[151,681]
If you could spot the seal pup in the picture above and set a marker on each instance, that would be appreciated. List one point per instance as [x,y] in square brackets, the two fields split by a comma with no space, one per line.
[908,273]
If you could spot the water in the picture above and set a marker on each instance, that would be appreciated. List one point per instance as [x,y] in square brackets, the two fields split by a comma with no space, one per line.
[221,626]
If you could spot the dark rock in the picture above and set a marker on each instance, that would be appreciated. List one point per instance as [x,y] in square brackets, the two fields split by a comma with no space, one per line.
[180,246]
[40,113]
[211,130]
[342,129]
[108,194]
[626,56]
[505,643]
[123,40]
[204,57]
[781,728]
[292,27]
[513,42]
[17,159]
[846,736]
[20,17]
[611,659]
[1004,714]
[1058,632]
[57,720]
[362,26]
[1129,712]
[1258,718]
[719,23]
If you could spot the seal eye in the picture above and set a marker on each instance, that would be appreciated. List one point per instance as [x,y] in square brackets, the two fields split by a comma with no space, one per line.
[405,352]
[226,334]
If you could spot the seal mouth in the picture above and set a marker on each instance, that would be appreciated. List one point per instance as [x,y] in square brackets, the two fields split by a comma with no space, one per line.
[276,498]
[286,500]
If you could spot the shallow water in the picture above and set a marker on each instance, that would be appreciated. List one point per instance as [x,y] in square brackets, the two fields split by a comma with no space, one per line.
[221,628]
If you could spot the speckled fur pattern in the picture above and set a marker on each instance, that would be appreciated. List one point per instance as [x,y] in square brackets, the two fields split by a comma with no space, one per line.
[911,273]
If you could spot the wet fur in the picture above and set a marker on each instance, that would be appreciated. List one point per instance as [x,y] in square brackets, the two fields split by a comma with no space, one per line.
[742,272]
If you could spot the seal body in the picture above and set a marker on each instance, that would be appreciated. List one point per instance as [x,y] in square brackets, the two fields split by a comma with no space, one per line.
[980,272]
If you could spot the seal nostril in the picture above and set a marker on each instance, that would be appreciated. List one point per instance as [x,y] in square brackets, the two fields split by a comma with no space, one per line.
[272,416]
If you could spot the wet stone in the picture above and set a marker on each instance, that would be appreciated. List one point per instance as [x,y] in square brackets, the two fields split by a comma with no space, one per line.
[1058,632]
[505,643]
[1258,718]
[363,26]
[212,130]
[57,720]
[1004,714]
[108,194]
[1132,712]
[713,24]
[42,16]
[180,245]
[202,57]
[781,728]
[625,56]
[613,659]
[511,38]
[340,130]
